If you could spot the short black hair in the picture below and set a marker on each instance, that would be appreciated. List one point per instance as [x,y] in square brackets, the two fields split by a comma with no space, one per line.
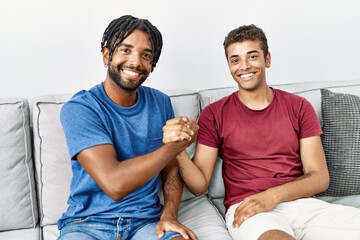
[122,27]
[247,32]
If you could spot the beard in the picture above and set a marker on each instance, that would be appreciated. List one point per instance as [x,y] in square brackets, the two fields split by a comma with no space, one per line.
[128,86]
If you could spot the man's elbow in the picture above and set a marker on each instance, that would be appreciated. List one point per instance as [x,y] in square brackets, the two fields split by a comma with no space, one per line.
[116,197]
[199,192]
[115,192]
[324,184]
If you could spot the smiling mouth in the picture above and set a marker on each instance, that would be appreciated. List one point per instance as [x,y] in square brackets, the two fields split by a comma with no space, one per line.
[130,73]
[247,76]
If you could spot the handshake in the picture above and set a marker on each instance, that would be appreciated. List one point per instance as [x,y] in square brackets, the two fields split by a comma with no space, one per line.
[181,129]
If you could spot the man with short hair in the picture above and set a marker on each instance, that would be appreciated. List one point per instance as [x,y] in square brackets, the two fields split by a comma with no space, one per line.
[114,136]
[273,158]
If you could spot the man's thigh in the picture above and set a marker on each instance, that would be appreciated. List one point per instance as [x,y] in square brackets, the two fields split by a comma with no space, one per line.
[252,228]
[314,218]
[87,229]
[148,232]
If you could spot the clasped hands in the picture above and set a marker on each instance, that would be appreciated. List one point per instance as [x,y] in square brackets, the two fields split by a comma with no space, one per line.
[180,129]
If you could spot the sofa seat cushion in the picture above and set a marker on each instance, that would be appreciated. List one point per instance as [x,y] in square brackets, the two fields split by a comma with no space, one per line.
[203,218]
[50,232]
[341,140]
[18,206]
[351,200]
[196,213]
[28,234]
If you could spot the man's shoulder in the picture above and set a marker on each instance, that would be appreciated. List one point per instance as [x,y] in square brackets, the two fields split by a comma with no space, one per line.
[288,95]
[292,100]
[154,91]
[85,98]
[88,95]
[152,94]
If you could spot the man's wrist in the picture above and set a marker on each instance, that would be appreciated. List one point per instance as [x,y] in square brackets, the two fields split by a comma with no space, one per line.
[168,216]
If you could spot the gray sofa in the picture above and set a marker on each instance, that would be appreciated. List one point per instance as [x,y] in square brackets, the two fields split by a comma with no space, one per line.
[35,167]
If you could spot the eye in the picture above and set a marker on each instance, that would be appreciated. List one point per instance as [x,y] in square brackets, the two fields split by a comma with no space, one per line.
[233,61]
[253,56]
[124,50]
[148,56]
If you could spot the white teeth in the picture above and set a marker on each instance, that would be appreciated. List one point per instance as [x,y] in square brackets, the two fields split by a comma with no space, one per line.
[131,73]
[248,75]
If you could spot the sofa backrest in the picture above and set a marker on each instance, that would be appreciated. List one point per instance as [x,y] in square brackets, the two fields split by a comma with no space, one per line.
[18,205]
[309,90]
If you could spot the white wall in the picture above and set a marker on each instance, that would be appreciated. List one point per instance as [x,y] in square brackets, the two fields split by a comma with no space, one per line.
[53,46]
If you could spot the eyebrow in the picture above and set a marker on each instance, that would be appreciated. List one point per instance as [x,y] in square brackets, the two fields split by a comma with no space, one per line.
[253,51]
[250,52]
[126,45]
[131,46]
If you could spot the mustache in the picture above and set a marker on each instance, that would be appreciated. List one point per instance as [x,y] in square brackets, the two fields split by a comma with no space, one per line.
[139,69]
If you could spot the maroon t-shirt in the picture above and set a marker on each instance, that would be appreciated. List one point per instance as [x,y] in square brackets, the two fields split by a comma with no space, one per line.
[259,148]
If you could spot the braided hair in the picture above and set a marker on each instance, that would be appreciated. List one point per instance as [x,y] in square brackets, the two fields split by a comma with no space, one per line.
[122,27]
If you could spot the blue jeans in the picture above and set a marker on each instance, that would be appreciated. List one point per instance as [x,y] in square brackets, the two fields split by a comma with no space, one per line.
[95,228]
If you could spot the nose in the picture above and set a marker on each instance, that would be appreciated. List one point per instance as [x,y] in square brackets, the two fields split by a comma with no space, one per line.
[134,59]
[244,64]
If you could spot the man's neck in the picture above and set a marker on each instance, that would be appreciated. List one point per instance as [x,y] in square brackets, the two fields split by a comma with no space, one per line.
[257,99]
[119,96]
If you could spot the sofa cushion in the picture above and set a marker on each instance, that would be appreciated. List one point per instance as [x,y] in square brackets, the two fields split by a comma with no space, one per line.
[350,200]
[18,207]
[28,234]
[341,140]
[52,160]
[196,213]
[216,191]
[203,218]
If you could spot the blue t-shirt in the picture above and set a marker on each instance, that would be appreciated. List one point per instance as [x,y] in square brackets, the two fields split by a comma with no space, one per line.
[90,118]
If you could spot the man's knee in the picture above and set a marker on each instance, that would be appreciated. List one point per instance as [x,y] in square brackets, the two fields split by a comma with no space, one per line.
[275,235]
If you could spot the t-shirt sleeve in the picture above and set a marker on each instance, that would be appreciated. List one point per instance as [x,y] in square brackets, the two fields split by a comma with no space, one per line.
[309,122]
[208,128]
[83,127]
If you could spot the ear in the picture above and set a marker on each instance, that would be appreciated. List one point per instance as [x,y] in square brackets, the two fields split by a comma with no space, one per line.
[105,55]
[268,60]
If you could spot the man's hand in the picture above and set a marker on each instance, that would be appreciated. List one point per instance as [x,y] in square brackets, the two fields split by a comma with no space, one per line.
[257,203]
[174,226]
[179,129]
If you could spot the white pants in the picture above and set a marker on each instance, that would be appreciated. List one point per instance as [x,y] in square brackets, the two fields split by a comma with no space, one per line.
[306,218]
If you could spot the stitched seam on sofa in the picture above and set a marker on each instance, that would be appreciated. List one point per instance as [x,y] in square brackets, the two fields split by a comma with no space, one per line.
[353,82]
[181,95]
[40,200]
[216,209]
[27,164]
[216,89]
[337,86]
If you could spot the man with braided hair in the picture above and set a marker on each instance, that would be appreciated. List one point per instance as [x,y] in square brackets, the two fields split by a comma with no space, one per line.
[114,135]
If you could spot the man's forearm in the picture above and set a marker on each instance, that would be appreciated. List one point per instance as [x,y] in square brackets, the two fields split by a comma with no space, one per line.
[172,190]
[192,175]
[307,185]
